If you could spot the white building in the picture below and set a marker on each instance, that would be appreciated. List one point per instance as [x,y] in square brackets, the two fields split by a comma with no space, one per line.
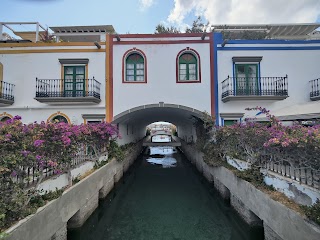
[276,73]
[134,80]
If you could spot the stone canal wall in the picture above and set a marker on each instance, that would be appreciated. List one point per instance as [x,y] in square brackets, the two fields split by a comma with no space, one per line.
[253,205]
[75,205]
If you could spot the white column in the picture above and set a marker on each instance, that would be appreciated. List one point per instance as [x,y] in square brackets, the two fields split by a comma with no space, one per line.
[37,32]
[1,31]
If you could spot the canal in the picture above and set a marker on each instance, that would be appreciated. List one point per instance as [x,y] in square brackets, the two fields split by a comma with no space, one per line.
[163,197]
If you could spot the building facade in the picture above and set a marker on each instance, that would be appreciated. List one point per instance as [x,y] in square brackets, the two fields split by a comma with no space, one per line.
[133,80]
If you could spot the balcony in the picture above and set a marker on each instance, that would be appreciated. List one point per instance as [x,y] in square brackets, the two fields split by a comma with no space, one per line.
[254,88]
[68,91]
[315,89]
[6,94]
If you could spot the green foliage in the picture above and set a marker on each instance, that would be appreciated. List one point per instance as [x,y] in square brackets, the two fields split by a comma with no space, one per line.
[313,212]
[118,152]
[39,146]
[40,200]
[197,26]
[76,179]
[161,29]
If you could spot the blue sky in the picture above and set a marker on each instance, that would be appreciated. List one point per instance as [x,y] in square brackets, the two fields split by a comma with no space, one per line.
[141,16]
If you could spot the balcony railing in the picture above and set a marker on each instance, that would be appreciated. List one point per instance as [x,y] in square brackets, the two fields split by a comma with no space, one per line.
[6,93]
[68,91]
[254,88]
[315,89]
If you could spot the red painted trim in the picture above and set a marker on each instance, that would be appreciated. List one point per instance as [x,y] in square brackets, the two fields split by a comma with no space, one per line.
[165,35]
[212,85]
[160,42]
[191,50]
[111,79]
[134,50]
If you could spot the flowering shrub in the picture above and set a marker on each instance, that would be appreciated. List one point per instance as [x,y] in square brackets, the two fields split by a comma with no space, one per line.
[27,151]
[257,143]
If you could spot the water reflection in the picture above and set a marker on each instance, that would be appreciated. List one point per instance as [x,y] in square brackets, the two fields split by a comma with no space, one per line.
[161,138]
[162,156]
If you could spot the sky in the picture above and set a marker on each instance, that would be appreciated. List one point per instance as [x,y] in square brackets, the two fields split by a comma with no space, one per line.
[142,16]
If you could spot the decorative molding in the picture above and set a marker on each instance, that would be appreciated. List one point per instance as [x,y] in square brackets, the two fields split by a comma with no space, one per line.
[93,116]
[231,115]
[73,60]
[246,59]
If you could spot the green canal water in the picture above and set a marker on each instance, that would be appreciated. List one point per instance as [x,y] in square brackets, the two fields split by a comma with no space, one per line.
[163,197]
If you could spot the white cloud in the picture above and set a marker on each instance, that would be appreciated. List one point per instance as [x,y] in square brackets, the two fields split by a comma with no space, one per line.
[247,11]
[145,4]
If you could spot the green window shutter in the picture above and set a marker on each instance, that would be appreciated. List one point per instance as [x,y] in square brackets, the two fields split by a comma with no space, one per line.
[134,68]
[188,67]
[74,81]
[229,122]
[247,82]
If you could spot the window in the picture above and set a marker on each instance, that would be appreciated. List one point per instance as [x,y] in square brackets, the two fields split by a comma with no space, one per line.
[247,75]
[229,122]
[59,118]
[135,68]
[247,79]
[74,81]
[187,67]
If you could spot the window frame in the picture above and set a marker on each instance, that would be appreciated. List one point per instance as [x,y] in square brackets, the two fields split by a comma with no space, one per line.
[74,80]
[124,66]
[198,66]
[257,81]
[246,61]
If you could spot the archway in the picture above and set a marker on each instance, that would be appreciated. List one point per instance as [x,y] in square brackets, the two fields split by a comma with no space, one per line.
[132,123]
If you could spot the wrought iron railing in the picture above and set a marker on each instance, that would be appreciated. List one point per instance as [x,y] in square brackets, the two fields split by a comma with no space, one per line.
[6,91]
[255,86]
[51,88]
[315,88]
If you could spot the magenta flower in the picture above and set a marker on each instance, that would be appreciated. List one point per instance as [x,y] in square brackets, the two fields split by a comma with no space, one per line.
[17,118]
[25,153]
[38,143]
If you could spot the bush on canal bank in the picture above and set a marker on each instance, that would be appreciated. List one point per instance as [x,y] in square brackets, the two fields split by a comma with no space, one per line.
[259,144]
[31,152]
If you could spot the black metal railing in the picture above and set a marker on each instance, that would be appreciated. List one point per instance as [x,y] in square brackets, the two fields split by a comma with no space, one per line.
[52,88]
[6,91]
[255,86]
[315,89]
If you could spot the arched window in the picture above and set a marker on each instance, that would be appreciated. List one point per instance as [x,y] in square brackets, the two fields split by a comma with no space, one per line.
[5,118]
[59,118]
[188,66]
[135,68]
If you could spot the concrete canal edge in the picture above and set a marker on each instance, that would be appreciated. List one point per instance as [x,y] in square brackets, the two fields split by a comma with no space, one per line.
[253,205]
[75,205]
